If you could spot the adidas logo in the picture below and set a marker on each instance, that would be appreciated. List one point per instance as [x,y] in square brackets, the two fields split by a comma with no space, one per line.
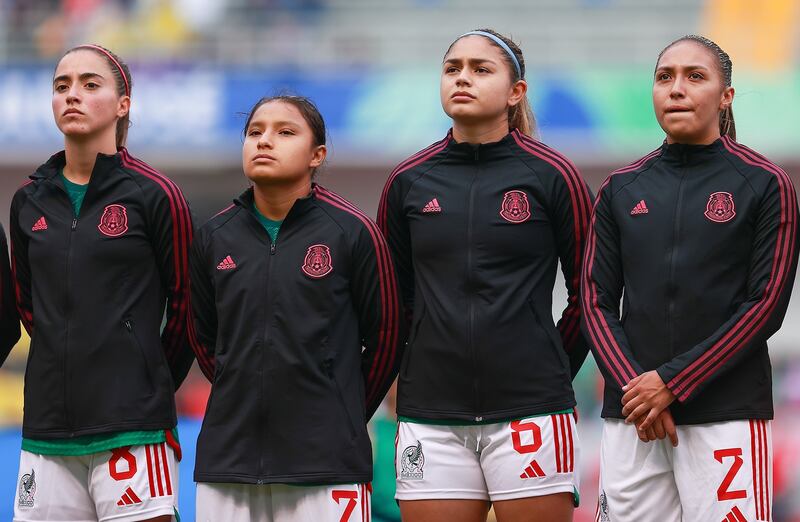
[640,208]
[40,224]
[129,498]
[226,264]
[432,206]
[534,470]
[735,515]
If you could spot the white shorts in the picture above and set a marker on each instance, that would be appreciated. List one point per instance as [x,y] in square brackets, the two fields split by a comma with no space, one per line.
[125,484]
[282,503]
[719,472]
[509,460]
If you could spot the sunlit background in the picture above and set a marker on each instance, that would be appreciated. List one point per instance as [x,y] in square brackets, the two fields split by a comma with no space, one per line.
[372,67]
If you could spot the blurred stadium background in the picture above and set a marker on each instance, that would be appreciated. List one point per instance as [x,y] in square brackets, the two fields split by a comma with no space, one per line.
[373,67]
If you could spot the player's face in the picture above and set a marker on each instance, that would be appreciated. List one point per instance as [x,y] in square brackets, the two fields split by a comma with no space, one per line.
[85,99]
[476,83]
[279,146]
[688,94]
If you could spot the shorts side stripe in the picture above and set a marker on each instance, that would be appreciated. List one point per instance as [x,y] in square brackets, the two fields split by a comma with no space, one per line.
[571,444]
[556,442]
[150,471]
[166,468]
[158,471]
[564,462]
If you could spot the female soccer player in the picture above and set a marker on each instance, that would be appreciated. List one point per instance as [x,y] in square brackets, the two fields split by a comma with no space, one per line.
[99,249]
[288,284]
[701,236]
[9,320]
[477,224]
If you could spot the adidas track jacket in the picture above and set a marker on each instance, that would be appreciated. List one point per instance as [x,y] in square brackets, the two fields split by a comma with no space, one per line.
[92,290]
[477,232]
[280,329]
[700,245]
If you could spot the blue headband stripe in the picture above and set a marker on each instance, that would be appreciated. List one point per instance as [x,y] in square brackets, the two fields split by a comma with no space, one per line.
[502,45]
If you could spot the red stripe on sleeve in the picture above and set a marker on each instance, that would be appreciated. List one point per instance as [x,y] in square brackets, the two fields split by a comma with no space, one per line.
[581,204]
[603,339]
[389,330]
[182,238]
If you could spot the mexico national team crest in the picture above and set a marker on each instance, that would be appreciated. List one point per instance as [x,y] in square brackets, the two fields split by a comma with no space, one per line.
[720,208]
[602,508]
[412,461]
[318,261]
[27,489]
[515,207]
[114,221]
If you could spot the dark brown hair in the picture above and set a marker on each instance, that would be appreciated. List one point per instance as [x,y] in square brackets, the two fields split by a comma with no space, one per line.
[305,106]
[123,84]
[727,126]
[520,116]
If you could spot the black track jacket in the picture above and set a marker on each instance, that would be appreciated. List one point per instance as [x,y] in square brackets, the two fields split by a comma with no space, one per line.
[281,328]
[91,291]
[477,232]
[703,241]
[9,320]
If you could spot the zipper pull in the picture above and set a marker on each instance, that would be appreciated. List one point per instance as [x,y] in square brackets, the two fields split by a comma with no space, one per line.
[128,325]
[477,153]
[74,223]
[272,249]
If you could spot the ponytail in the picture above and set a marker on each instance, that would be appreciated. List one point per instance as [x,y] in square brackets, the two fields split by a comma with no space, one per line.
[521,117]
[727,127]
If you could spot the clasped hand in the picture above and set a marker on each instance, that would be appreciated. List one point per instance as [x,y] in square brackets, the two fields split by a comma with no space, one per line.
[645,404]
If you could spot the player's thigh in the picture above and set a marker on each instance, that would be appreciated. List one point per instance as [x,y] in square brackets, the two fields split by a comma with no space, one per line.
[438,463]
[636,478]
[233,502]
[135,483]
[53,487]
[438,510]
[335,503]
[724,470]
[555,507]
[531,457]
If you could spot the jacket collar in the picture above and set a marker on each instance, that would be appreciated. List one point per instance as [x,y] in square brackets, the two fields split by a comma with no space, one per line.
[103,164]
[476,152]
[685,154]
[246,200]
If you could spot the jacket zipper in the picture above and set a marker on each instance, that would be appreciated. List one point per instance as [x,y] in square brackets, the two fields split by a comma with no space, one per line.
[67,314]
[470,287]
[671,288]
[263,379]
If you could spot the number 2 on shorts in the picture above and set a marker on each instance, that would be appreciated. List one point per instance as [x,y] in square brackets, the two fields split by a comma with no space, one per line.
[722,492]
